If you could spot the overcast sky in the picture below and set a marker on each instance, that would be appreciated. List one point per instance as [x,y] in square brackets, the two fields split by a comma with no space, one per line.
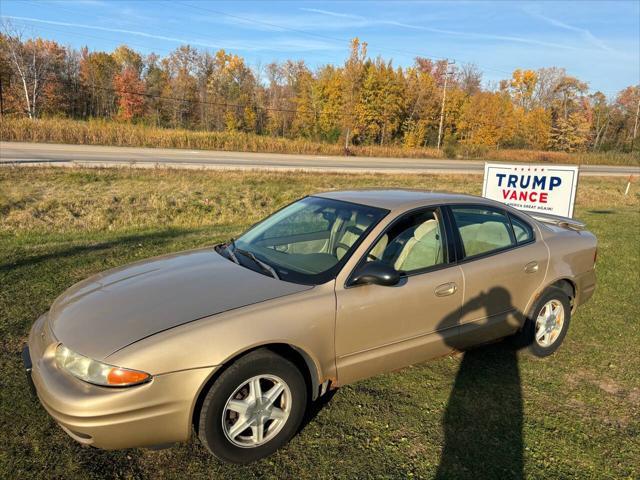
[599,42]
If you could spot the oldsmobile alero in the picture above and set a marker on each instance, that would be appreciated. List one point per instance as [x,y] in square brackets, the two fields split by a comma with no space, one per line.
[233,342]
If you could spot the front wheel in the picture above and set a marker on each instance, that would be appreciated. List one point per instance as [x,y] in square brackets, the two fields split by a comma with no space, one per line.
[545,329]
[253,408]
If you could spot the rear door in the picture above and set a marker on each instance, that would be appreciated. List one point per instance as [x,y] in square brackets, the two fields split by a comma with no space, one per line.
[503,264]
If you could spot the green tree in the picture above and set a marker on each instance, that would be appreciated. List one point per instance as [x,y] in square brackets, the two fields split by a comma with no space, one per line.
[97,70]
[380,108]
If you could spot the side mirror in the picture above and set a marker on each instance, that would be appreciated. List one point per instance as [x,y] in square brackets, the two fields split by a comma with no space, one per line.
[377,273]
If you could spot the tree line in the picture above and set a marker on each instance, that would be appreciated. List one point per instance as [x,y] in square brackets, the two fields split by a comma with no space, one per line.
[365,101]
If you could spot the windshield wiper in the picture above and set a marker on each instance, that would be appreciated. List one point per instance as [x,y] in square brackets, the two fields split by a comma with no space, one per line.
[265,266]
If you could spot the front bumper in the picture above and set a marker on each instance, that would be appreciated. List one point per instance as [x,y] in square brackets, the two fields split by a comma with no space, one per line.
[155,413]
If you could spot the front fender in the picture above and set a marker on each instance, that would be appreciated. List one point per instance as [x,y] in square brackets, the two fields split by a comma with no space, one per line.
[305,321]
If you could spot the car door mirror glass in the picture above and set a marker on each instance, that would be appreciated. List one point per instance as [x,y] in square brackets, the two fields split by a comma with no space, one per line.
[376,273]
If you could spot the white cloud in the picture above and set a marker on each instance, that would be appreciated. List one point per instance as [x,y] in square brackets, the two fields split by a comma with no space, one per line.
[332,14]
[506,38]
[585,33]
[366,21]
[113,30]
[287,44]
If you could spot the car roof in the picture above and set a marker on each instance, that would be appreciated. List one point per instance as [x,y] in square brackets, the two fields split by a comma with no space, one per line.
[402,198]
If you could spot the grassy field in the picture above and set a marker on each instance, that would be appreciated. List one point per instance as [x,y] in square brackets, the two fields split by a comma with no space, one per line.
[101,132]
[484,414]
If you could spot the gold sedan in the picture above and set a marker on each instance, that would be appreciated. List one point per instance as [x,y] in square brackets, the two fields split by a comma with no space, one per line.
[234,341]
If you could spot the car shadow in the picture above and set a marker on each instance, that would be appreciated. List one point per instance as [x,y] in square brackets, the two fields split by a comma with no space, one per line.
[483,418]
[315,407]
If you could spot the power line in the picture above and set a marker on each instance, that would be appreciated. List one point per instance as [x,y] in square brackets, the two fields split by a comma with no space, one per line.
[237,106]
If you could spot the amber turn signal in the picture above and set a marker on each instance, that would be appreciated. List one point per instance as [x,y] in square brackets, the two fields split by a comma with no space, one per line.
[120,376]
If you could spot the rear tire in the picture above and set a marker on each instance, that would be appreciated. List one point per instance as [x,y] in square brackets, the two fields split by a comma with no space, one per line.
[270,422]
[545,329]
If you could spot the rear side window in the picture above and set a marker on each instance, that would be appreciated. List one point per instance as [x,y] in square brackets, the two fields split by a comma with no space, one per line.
[522,230]
[482,229]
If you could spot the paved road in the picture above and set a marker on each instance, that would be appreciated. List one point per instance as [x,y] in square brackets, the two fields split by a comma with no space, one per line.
[81,155]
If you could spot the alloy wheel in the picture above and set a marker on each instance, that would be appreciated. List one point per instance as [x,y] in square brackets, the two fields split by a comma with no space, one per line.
[256,411]
[549,323]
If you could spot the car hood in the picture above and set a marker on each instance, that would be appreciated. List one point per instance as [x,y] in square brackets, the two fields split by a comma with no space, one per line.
[113,309]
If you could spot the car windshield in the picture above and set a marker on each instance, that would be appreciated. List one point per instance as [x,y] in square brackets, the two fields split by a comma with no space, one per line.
[307,241]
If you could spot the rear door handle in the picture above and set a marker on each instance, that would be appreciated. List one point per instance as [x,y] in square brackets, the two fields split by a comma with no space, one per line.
[446,289]
[531,267]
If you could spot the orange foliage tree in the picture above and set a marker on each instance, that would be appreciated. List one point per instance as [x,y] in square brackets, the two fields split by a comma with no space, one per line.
[130,90]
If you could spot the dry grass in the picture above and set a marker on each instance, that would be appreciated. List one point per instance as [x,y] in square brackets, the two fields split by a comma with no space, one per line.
[542,156]
[100,132]
[113,199]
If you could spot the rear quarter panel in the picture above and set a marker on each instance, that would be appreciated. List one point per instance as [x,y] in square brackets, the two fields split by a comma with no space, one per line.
[572,255]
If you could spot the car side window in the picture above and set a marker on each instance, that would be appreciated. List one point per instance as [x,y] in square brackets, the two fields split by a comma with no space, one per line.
[482,230]
[412,243]
[521,229]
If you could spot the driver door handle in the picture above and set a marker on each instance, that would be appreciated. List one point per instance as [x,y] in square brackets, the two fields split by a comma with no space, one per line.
[446,289]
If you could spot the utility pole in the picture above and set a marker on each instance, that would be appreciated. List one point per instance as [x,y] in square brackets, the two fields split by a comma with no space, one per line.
[444,97]
[635,126]
[1,98]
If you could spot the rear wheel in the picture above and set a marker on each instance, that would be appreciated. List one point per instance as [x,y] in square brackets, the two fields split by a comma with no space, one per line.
[253,408]
[544,331]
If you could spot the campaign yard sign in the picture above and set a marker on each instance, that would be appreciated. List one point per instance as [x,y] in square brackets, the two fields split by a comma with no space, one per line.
[534,188]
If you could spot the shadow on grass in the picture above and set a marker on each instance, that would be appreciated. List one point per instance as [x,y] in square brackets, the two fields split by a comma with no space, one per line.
[154,236]
[483,419]
[314,408]
[484,415]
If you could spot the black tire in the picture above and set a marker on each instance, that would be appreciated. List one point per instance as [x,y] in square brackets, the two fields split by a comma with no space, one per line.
[526,337]
[258,362]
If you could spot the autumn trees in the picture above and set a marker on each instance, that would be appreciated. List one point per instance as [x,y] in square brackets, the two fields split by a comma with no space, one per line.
[363,101]
[33,63]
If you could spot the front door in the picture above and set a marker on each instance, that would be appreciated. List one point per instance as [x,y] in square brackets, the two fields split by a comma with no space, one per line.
[382,328]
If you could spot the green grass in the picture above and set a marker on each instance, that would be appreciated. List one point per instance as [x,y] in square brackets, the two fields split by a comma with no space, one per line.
[485,414]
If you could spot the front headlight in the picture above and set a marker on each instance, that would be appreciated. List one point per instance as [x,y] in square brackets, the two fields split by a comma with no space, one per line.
[96,372]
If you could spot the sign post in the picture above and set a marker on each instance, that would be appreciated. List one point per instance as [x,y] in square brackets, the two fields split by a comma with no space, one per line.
[533,188]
